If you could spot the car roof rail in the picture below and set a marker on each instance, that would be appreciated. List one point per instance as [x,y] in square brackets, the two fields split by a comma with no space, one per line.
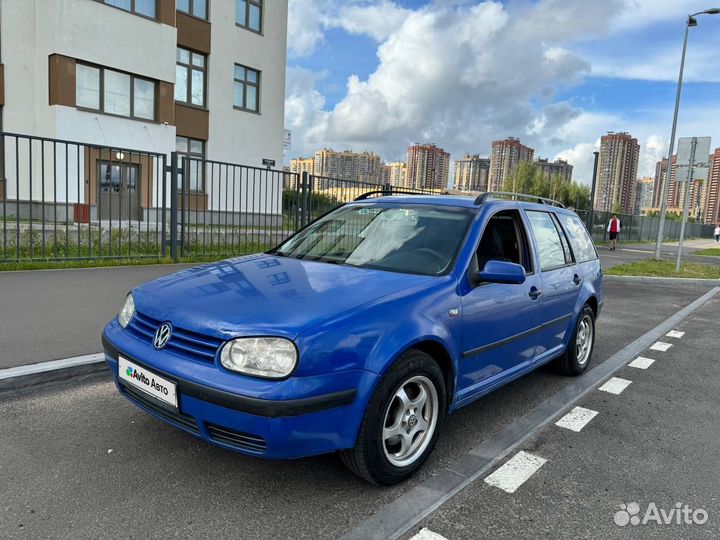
[484,197]
[384,192]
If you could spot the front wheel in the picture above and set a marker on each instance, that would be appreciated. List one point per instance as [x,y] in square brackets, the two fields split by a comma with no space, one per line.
[401,423]
[576,358]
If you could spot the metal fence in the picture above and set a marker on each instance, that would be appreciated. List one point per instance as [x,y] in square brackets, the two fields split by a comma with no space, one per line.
[63,200]
[68,200]
[640,228]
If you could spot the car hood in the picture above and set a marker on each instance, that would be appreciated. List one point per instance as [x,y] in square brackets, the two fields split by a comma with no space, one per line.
[264,295]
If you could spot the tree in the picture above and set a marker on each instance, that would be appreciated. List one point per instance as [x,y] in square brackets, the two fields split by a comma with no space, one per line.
[528,178]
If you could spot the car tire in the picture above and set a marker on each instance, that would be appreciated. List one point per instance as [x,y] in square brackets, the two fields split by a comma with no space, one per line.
[576,357]
[382,458]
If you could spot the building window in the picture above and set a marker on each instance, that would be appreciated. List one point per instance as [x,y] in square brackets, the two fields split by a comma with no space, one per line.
[192,153]
[114,92]
[248,14]
[196,8]
[246,92]
[190,72]
[146,8]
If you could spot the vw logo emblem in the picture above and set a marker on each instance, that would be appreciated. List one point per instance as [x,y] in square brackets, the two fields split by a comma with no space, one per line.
[412,421]
[162,336]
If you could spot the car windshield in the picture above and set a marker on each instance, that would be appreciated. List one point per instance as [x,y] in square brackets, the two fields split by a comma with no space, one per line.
[414,239]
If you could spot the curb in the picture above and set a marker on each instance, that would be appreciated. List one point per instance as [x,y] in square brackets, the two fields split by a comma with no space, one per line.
[663,280]
[18,378]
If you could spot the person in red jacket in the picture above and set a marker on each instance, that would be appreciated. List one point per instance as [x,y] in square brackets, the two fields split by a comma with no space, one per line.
[614,226]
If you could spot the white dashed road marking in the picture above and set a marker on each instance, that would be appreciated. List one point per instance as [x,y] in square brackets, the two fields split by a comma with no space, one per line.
[427,534]
[516,471]
[660,346]
[641,362]
[615,385]
[576,419]
[675,334]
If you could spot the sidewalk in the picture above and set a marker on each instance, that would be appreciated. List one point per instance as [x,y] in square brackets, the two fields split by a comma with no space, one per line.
[51,314]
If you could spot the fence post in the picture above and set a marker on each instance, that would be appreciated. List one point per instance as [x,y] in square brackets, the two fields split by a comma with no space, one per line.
[303,198]
[173,206]
[388,187]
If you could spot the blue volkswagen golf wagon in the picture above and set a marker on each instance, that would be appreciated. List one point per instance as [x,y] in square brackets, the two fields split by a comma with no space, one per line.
[363,331]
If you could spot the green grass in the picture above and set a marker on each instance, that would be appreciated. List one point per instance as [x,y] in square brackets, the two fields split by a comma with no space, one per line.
[655,268]
[709,252]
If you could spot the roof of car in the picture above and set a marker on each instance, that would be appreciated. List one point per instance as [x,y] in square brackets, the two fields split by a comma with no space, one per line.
[450,200]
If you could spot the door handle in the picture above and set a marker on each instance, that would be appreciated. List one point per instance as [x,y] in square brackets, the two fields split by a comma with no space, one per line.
[534,293]
[577,280]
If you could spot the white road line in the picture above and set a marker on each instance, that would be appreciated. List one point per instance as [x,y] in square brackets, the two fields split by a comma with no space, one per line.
[32,369]
[675,334]
[576,419]
[516,471]
[636,250]
[615,385]
[641,362]
[427,534]
[660,346]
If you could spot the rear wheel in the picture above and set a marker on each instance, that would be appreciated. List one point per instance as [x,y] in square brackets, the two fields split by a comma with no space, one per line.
[401,423]
[576,358]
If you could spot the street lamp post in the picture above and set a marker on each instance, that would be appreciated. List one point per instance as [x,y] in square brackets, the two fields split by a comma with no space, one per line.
[691,21]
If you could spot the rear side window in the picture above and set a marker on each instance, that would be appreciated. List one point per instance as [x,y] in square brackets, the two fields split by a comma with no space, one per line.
[551,250]
[581,242]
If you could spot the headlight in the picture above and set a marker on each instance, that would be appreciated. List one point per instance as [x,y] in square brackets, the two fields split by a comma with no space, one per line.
[263,357]
[127,311]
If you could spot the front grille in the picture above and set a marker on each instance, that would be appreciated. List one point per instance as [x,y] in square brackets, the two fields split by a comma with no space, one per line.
[182,342]
[177,418]
[237,439]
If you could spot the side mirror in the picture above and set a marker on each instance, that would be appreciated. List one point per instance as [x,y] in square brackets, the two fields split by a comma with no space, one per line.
[501,272]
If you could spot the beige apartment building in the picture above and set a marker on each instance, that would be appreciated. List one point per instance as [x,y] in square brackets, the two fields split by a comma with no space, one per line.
[396,174]
[711,212]
[348,165]
[472,173]
[506,156]
[558,169]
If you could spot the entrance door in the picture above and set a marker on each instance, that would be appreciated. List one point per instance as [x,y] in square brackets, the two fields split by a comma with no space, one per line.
[119,189]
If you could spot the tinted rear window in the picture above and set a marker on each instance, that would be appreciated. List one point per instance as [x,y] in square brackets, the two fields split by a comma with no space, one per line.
[579,238]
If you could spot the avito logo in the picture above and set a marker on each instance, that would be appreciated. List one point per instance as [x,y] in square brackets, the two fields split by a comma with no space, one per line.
[129,371]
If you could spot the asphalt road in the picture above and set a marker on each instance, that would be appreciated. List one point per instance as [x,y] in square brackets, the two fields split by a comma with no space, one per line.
[51,314]
[653,444]
[77,461]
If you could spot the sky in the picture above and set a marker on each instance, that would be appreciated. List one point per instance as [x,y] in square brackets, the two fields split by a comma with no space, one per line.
[379,75]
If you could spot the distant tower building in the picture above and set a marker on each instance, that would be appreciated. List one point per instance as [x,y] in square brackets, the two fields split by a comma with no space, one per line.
[472,173]
[299,166]
[427,167]
[644,195]
[559,167]
[673,192]
[349,165]
[711,212]
[617,172]
[506,156]
[395,174]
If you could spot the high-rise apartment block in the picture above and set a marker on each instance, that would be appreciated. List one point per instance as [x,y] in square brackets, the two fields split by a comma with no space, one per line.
[472,173]
[396,174]
[711,212]
[506,156]
[555,169]
[427,167]
[644,194]
[205,79]
[617,173]
[349,165]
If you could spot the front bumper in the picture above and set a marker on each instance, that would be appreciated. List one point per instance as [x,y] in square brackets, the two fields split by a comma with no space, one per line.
[299,417]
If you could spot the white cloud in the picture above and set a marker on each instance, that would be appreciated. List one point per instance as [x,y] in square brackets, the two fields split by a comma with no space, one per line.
[461,76]
[375,20]
[582,158]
